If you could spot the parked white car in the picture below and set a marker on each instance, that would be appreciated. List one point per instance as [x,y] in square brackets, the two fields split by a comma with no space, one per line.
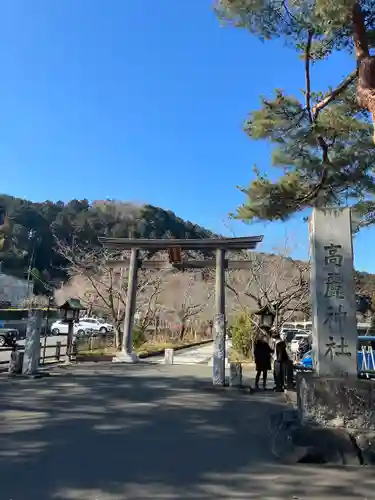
[59,327]
[95,324]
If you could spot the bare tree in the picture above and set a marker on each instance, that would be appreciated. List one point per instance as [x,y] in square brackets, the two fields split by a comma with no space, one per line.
[148,304]
[276,281]
[187,296]
[104,289]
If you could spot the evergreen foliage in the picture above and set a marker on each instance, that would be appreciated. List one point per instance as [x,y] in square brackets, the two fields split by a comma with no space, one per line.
[244,332]
[322,139]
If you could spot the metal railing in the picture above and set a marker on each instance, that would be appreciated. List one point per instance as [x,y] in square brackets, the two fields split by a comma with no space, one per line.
[367,368]
[50,353]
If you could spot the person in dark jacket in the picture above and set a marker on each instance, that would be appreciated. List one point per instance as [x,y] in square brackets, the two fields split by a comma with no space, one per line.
[280,365]
[262,357]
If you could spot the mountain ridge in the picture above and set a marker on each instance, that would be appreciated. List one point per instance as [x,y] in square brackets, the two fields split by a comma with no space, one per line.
[35,226]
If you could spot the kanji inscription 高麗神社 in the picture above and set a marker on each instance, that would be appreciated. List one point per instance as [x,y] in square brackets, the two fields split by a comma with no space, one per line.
[332,292]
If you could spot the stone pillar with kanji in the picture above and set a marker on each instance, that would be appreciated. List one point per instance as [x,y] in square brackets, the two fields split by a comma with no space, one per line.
[332,293]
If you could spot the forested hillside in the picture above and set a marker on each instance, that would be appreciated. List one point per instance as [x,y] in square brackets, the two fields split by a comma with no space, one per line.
[32,229]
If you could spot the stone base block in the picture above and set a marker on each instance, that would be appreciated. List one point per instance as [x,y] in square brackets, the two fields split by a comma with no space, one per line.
[365,442]
[294,441]
[125,357]
[15,362]
[235,375]
[337,401]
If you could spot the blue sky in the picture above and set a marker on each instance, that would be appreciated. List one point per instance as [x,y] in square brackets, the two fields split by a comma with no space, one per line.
[142,101]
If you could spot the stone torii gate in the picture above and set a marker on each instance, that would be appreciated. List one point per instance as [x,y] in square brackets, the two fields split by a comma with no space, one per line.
[174,247]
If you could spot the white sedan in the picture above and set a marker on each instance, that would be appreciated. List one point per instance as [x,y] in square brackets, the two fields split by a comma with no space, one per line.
[59,327]
[95,324]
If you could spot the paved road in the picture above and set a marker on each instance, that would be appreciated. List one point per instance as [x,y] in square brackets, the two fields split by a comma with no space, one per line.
[195,355]
[50,347]
[150,432]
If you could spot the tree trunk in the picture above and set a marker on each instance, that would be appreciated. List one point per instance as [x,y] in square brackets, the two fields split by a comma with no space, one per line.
[118,337]
[182,330]
[366,64]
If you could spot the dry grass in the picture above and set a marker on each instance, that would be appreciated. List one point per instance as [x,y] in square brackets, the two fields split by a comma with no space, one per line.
[156,344]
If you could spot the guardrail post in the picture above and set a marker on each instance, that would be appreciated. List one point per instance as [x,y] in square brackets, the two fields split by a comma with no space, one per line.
[41,360]
[44,347]
[58,350]
[168,356]
[74,349]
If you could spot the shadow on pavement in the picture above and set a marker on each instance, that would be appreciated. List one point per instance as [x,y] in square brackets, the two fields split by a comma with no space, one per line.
[151,432]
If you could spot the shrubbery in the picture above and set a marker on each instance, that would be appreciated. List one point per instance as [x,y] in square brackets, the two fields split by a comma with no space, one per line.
[244,332]
[139,337]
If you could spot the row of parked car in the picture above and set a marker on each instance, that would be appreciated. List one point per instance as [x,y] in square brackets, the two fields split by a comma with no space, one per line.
[85,324]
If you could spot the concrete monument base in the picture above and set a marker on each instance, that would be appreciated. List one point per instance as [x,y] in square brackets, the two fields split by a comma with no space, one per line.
[125,357]
[346,402]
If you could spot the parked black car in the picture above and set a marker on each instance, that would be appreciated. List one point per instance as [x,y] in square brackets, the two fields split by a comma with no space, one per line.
[8,336]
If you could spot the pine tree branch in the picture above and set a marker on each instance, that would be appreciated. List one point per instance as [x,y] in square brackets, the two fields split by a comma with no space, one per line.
[333,94]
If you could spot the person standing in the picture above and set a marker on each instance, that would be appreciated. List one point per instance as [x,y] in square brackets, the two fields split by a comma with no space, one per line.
[280,365]
[262,357]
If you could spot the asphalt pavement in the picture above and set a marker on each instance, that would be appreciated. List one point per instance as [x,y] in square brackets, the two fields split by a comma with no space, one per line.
[130,432]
